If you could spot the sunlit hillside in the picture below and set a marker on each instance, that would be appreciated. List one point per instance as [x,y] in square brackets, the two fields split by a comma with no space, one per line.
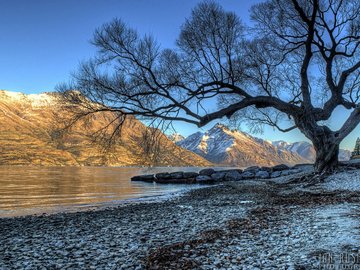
[32,133]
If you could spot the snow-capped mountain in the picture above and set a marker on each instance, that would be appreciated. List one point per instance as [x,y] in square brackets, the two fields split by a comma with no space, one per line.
[235,148]
[304,149]
[176,137]
[307,151]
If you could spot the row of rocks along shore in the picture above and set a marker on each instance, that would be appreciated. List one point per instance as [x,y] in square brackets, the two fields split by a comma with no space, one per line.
[211,176]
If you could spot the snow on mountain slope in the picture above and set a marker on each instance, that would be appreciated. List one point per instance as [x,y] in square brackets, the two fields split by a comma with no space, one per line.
[307,151]
[304,149]
[235,148]
[176,137]
[36,100]
[281,144]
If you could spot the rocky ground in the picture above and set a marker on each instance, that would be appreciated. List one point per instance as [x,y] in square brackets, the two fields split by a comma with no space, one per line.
[247,224]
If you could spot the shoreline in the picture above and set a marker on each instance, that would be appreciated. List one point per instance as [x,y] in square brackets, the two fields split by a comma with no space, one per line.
[57,189]
[237,225]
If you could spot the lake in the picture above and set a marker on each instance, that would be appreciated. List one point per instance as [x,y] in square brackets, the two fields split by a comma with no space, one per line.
[28,190]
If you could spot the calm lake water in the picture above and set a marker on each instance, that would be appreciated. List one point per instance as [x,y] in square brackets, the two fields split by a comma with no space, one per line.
[36,190]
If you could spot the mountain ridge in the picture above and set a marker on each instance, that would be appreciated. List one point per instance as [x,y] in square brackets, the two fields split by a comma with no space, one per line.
[224,146]
[30,135]
[306,150]
[234,143]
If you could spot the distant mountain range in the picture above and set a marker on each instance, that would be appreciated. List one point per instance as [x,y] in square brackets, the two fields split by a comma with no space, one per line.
[30,135]
[224,146]
[304,149]
[307,151]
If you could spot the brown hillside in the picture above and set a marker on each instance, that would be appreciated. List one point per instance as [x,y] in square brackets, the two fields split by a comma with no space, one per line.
[31,134]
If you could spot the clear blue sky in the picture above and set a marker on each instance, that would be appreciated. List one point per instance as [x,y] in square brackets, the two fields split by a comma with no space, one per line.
[42,41]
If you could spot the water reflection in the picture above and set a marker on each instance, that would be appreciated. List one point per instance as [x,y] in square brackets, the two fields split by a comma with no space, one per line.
[33,190]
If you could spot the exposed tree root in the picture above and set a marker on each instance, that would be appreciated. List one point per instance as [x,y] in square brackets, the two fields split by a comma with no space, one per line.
[307,180]
[314,178]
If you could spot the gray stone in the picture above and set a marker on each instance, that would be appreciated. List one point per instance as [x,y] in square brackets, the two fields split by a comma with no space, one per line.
[177,175]
[288,172]
[218,176]
[231,170]
[248,175]
[233,175]
[296,170]
[208,171]
[280,167]
[190,174]
[275,174]
[145,178]
[204,179]
[268,169]
[262,174]
[163,175]
[252,169]
[176,181]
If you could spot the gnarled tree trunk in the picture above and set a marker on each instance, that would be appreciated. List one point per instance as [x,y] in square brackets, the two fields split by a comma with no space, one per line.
[325,143]
[327,156]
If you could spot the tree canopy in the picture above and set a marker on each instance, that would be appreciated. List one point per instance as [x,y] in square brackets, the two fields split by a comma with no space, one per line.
[299,59]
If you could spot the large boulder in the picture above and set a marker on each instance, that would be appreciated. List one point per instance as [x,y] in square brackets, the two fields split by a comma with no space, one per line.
[275,174]
[233,175]
[262,174]
[163,175]
[144,178]
[291,171]
[177,175]
[176,181]
[248,175]
[204,179]
[218,176]
[268,169]
[230,170]
[296,170]
[286,173]
[190,174]
[207,172]
[252,169]
[280,167]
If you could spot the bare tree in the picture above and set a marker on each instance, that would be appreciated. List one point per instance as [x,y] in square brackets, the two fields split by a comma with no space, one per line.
[150,140]
[299,60]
